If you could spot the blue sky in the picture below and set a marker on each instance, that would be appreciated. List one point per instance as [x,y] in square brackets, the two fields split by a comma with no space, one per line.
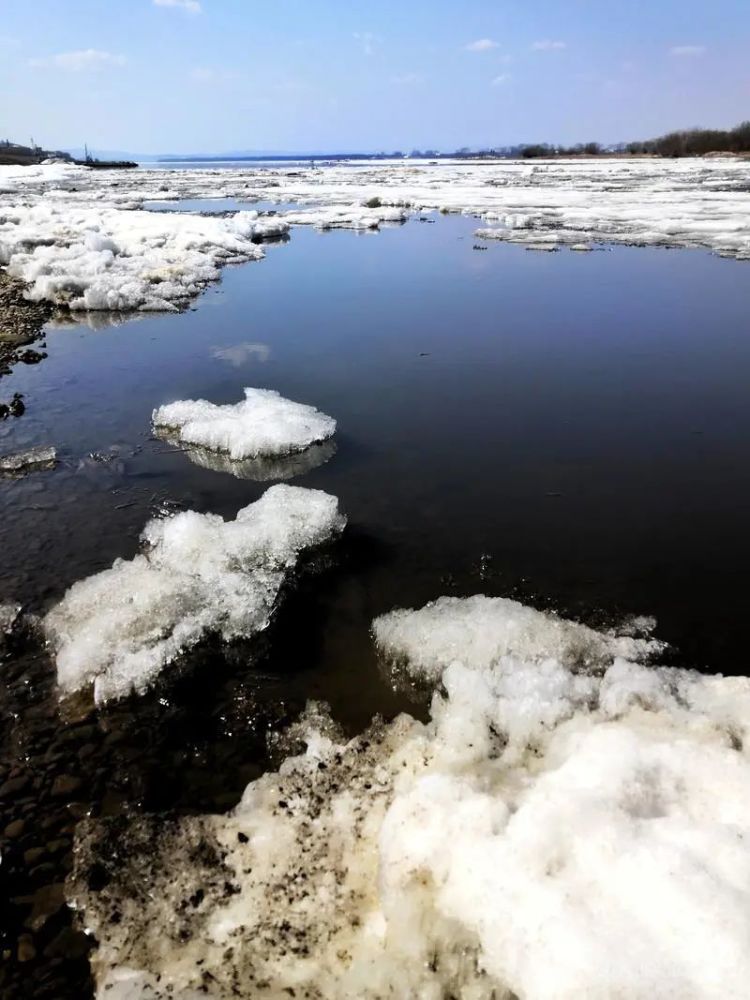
[213,75]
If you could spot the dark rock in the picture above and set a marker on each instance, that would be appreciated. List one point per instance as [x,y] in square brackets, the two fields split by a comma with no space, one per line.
[14,829]
[33,855]
[65,786]
[26,951]
[14,786]
[47,902]
[69,943]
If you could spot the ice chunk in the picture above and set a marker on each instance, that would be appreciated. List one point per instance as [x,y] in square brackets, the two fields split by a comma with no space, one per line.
[8,616]
[479,631]
[263,425]
[196,574]
[567,824]
[21,462]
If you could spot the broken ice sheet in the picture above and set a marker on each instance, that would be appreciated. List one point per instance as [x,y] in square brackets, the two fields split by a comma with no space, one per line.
[196,574]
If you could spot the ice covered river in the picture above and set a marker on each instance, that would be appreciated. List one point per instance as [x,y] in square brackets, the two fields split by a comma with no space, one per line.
[568,430]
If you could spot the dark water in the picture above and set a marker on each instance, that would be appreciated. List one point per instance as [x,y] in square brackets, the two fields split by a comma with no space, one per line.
[572,429]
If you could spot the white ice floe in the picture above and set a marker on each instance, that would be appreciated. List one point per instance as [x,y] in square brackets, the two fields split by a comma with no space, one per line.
[567,824]
[82,238]
[263,425]
[197,574]
[22,462]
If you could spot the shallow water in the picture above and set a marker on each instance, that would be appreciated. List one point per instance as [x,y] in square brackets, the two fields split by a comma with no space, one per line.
[219,206]
[569,428]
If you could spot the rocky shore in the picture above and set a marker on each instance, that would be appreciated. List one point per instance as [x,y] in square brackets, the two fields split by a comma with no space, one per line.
[21,324]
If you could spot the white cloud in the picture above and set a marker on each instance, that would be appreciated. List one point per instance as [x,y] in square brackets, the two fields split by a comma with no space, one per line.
[191,6]
[407,79]
[498,81]
[548,45]
[367,40]
[687,50]
[481,45]
[83,59]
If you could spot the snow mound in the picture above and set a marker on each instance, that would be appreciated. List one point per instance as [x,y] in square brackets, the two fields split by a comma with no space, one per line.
[263,425]
[196,574]
[552,832]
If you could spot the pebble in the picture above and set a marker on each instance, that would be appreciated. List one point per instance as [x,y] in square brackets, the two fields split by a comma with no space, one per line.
[14,786]
[47,901]
[65,786]
[26,950]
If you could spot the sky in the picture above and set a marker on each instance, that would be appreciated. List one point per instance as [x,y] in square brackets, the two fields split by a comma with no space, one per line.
[151,76]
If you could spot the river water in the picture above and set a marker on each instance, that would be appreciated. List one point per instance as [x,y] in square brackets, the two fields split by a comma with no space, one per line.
[572,429]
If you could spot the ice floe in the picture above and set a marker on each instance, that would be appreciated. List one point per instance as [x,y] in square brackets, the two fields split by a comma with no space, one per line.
[567,824]
[263,425]
[83,238]
[22,462]
[196,574]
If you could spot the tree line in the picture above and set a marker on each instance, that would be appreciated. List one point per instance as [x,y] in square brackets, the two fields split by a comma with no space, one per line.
[688,142]
[696,142]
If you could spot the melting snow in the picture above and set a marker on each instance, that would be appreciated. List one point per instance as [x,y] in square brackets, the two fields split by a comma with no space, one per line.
[568,823]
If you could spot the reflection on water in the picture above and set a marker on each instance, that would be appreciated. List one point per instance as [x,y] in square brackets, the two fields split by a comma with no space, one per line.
[260,470]
[242,354]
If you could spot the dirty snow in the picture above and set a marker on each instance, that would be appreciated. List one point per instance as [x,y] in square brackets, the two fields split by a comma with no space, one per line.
[568,823]
[83,239]
[196,574]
